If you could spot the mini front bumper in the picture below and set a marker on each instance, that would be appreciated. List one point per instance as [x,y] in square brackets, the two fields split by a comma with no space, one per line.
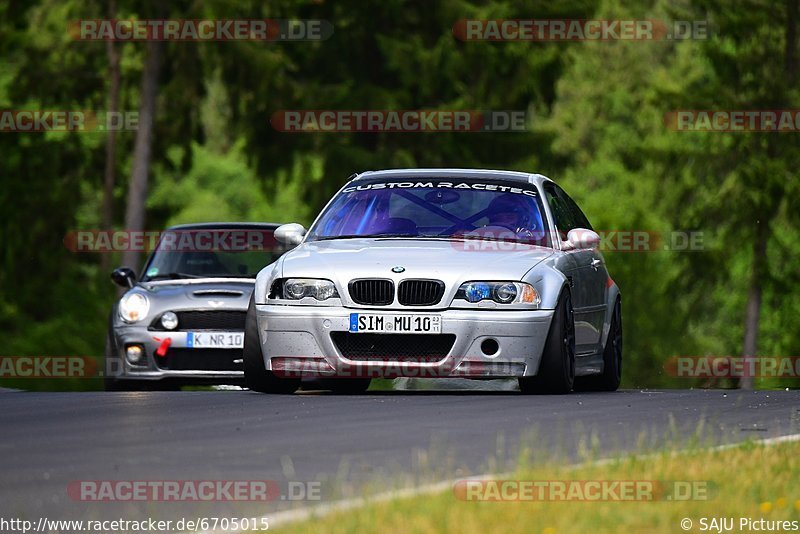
[297,339]
[153,369]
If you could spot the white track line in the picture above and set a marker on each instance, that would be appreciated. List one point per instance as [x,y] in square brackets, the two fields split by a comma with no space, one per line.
[286,517]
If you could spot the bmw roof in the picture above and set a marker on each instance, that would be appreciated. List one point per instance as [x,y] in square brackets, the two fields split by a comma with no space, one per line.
[532,178]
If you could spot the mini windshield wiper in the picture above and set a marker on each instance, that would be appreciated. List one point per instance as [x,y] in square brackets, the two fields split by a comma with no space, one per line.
[173,276]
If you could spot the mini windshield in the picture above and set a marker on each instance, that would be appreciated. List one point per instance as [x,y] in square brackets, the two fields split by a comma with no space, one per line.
[448,209]
[212,253]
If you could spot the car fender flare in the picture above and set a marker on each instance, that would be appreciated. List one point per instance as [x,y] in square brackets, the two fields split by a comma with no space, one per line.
[549,283]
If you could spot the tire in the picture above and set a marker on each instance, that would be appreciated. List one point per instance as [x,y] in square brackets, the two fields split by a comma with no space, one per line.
[256,376]
[611,376]
[556,373]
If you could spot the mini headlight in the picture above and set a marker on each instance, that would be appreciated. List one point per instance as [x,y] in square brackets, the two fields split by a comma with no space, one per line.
[298,288]
[500,292]
[133,307]
[169,320]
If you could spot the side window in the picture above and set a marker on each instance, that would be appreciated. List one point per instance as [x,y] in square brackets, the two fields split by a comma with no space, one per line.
[561,212]
[577,216]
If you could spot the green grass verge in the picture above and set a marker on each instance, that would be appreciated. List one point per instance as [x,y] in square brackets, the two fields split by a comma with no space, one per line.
[752,481]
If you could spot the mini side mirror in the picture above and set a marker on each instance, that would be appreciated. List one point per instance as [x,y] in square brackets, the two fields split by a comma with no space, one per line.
[123,276]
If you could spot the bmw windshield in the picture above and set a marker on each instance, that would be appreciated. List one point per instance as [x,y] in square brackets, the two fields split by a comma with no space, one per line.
[434,208]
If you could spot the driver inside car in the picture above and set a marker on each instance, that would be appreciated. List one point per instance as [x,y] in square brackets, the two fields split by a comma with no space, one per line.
[512,212]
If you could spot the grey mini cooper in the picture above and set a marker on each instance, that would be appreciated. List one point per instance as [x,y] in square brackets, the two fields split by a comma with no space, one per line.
[438,273]
[182,321]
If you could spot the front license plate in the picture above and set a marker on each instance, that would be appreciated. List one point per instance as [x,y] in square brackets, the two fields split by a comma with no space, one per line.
[215,340]
[401,324]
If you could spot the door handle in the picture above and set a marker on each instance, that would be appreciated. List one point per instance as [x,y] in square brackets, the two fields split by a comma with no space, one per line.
[595,263]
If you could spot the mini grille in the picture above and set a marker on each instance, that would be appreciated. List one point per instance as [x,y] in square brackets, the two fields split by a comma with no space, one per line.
[206,320]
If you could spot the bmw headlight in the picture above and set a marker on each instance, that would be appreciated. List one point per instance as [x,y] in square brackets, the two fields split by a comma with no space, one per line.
[299,288]
[133,307]
[499,292]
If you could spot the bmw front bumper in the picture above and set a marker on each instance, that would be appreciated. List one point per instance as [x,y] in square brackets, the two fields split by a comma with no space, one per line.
[296,340]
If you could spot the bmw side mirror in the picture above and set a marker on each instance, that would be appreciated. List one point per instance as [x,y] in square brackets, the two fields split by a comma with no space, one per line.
[581,238]
[123,276]
[290,234]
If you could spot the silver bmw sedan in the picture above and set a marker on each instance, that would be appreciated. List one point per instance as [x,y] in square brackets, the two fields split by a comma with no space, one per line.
[433,273]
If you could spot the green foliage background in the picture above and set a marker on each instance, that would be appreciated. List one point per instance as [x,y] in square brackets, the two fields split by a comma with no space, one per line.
[598,129]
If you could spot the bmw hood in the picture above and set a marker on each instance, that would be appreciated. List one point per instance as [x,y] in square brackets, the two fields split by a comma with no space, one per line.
[452,261]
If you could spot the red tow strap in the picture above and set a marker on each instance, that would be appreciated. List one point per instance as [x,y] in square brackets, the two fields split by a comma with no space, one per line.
[161,351]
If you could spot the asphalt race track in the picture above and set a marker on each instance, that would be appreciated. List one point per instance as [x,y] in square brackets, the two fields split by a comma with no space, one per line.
[348,444]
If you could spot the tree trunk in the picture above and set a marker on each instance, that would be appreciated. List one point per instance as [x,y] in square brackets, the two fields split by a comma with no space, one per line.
[111,140]
[759,265]
[753,311]
[137,189]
